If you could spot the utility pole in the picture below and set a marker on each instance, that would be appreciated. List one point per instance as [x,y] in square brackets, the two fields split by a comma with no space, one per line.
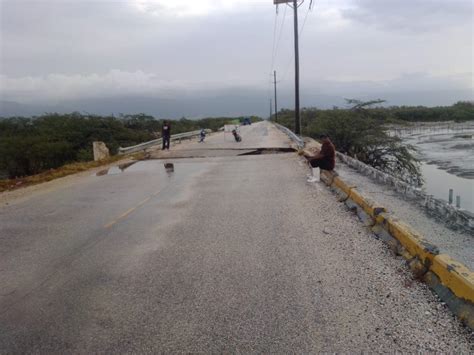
[297,60]
[271,106]
[297,72]
[276,102]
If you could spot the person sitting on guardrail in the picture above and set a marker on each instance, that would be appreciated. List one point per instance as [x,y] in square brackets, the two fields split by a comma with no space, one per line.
[325,159]
[166,134]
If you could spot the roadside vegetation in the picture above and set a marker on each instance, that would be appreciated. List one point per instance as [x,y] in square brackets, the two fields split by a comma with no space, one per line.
[461,111]
[30,146]
[360,131]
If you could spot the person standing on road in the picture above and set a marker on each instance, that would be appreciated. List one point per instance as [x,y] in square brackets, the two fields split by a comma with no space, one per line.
[325,159]
[202,135]
[166,134]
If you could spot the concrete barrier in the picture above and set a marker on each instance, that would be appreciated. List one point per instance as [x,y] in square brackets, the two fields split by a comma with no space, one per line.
[370,207]
[101,152]
[411,240]
[454,275]
[454,284]
[452,216]
[342,189]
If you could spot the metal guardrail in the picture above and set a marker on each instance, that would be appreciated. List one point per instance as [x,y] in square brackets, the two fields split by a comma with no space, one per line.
[297,139]
[174,137]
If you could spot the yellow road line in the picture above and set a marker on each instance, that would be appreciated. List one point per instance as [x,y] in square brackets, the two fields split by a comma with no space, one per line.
[125,214]
[144,201]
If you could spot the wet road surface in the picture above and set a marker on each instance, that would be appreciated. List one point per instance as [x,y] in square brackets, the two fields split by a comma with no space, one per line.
[234,254]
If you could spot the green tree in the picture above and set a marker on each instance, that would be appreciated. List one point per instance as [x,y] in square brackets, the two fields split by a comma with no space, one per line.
[31,145]
[360,132]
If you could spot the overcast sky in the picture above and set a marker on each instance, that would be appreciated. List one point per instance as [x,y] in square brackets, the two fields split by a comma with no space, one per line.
[62,51]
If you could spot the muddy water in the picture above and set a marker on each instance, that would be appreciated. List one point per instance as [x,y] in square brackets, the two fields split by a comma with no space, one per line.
[438,182]
[448,163]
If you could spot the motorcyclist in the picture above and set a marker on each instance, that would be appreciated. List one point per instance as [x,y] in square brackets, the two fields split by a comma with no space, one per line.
[202,136]
[236,135]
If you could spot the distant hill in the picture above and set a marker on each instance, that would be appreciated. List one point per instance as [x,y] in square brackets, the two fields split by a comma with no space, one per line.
[11,108]
[232,102]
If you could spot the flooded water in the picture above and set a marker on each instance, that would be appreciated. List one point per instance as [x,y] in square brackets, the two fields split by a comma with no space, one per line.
[448,162]
[438,182]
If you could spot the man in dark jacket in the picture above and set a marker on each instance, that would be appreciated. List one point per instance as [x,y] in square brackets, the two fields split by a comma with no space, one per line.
[325,159]
[166,134]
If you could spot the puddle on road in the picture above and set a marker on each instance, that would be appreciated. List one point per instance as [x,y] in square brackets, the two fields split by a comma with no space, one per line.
[115,170]
[153,165]
[125,166]
[157,172]
[169,168]
[102,172]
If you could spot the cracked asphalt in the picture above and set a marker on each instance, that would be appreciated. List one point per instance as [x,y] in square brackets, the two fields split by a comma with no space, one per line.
[225,254]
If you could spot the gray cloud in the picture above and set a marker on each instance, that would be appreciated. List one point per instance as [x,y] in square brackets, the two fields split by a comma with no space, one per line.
[413,16]
[58,51]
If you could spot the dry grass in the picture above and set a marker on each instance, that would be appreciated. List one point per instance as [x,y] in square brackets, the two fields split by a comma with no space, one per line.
[65,170]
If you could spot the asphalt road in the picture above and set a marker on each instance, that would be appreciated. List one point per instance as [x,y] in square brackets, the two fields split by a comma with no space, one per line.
[255,137]
[225,254]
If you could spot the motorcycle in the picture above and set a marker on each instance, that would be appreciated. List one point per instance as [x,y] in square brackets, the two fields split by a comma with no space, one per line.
[236,135]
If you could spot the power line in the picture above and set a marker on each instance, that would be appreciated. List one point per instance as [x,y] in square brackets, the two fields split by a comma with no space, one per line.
[276,45]
[288,66]
[274,40]
[273,50]
[279,38]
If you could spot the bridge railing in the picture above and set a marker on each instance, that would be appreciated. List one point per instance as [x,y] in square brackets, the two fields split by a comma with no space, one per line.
[174,137]
[295,138]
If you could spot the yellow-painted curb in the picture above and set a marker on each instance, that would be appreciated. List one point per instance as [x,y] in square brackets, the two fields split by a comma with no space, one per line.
[423,257]
[341,185]
[371,208]
[413,242]
[327,176]
[455,276]
[382,219]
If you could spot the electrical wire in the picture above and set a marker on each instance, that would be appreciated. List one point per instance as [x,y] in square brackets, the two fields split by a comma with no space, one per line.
[274,39]
[276,45]
[300,34]
[275,53]
[273,49]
